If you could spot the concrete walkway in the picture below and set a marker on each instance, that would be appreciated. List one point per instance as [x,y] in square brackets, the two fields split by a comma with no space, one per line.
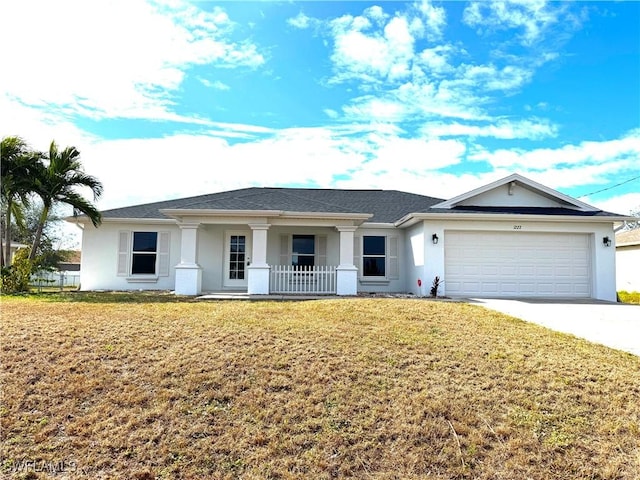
[615,325]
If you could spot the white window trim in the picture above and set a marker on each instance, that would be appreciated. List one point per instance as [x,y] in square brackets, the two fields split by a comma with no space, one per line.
[125,257]
[391,260]
[319,248]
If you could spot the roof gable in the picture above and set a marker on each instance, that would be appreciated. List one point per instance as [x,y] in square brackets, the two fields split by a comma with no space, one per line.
[515,191]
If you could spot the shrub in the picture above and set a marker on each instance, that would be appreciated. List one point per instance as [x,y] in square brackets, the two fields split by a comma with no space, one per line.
[15,279]
[629,297]
[434,286]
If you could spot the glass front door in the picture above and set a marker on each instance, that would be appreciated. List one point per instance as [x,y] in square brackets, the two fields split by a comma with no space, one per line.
[237,259]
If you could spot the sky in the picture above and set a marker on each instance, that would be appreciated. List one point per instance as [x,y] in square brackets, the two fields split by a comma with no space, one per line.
[172,98]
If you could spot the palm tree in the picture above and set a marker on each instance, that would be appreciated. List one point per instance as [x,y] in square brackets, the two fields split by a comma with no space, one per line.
[18,164]
[56,183]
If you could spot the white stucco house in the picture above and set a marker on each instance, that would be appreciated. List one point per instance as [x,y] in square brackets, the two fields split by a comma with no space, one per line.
[511,238]
[15,246]
[628,260]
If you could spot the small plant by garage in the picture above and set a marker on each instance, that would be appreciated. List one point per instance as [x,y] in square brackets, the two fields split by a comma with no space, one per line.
[434,286]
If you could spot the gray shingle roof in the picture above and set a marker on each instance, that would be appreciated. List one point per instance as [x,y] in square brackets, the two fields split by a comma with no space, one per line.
[523,211]
[386,206]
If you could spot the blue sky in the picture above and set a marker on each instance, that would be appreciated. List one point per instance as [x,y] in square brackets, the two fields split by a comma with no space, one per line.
[171,99]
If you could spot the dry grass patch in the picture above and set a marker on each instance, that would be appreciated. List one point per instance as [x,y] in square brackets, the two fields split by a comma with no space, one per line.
[358,388]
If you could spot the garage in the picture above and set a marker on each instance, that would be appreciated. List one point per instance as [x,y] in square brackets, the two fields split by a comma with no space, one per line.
[517,264]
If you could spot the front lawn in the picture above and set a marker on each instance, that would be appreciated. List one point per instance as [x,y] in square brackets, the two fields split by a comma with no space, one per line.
[336,388]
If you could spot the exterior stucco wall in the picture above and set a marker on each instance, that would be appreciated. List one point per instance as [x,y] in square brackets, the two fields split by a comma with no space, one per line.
[602,257]
[418,258]
[628,268]
[98,267]
[416,247]
[211,240]
[275,232]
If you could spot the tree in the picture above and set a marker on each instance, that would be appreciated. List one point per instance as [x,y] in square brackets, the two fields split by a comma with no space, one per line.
[49,253]
[18,164]
[631,225]
[56,183]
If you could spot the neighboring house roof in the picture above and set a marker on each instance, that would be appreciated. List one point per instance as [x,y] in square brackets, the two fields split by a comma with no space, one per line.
[628,238]
[69,267]
[73,256]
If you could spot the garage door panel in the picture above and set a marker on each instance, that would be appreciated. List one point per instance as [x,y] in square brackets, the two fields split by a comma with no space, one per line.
[581,271]
[545,271]
[508,270]
[490,270]
[517,264]
[583,290]
[527,271]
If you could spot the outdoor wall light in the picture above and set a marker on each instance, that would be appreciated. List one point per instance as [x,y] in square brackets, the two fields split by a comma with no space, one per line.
[606,241]
[434,239]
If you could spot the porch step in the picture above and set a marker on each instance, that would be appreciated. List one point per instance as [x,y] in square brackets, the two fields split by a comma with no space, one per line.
[245,296]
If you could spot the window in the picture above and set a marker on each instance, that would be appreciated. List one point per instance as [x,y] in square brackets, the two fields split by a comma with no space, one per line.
[303,250]
[373,256]
[143,255]
[145,248]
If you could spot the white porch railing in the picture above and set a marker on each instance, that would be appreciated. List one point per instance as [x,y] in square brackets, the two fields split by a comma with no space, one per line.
[318,279]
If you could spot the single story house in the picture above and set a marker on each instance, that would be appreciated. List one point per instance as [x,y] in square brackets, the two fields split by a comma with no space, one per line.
[511,238]
[628,260]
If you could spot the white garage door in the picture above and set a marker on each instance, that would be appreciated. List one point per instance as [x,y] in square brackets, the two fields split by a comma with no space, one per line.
[517,264]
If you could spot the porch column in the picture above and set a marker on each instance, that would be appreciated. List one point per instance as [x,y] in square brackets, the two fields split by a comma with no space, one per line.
[258,270]
[346,272]
[188,272]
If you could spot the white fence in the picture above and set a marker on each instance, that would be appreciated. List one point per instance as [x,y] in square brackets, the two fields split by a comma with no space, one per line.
[294,279]
[60,279]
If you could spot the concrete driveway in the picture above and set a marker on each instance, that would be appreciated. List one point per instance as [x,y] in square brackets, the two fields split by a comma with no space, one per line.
[615,325]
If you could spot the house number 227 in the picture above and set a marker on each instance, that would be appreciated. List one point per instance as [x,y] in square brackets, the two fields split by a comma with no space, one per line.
[517,227]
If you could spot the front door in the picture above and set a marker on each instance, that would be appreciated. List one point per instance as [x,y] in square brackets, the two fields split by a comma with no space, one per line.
[237,259]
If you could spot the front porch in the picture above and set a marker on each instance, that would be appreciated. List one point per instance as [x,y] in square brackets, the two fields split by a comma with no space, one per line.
[318,280]
[314,257]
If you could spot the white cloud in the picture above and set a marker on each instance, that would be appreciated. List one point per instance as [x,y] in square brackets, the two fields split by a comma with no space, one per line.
[434,18]
[504,129]
[623,204]
[300,21]
[217,84]
[393,61]
[112,59]
[329,112]
[624,151]
[143,170]
[379,109]
[39,128]
[532,17]
[436,61]
[362,52]
[416,155]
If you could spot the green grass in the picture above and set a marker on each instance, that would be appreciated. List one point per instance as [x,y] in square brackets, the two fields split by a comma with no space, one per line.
[137,386]
[629,297]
